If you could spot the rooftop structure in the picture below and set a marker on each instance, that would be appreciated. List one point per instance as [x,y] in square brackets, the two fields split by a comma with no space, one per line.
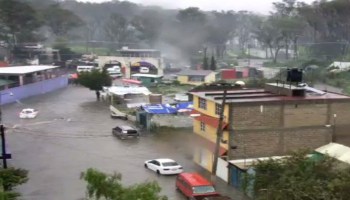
[19,70]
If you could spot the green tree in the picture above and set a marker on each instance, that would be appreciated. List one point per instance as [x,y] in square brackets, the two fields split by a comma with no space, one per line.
[300,177]
[148,25]
[109,186]
[60,20]
[10,178]
[19,20]
[205,60]
[116,29]
[95,80]
[213,63]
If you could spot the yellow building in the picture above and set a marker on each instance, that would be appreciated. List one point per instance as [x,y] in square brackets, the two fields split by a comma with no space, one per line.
[196,77]
[205,124]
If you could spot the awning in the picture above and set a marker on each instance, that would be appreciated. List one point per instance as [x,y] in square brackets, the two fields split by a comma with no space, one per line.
[211,145]
[131,81]
[206,119]
[159,109]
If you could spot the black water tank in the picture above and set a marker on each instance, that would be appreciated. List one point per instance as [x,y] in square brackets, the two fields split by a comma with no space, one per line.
[294,75]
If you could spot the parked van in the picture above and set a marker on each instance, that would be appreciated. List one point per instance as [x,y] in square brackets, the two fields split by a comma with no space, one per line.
[194,186]
[81,68]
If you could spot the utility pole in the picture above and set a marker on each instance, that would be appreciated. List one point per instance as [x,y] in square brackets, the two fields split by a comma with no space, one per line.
[219,132]
[4,155]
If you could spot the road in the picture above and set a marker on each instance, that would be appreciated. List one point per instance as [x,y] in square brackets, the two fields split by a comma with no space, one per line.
[72,133]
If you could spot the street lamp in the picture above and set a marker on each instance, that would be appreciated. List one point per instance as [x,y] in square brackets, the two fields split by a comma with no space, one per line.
[4,155]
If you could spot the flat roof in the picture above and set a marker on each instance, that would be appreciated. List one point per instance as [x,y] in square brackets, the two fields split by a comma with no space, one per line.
[338,151]
[146,75]
[138,50]
[242,96]
[25,69]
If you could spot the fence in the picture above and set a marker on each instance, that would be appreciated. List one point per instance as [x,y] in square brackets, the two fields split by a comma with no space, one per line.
[14,94]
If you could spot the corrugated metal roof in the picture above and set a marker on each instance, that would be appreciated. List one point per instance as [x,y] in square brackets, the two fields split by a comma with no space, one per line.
[25,69]
[337,151]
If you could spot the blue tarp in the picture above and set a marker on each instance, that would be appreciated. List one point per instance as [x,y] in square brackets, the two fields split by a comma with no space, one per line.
[160,109]
[167,108]
[184,106]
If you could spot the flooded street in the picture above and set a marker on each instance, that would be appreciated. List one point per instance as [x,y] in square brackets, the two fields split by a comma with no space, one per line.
[72,133]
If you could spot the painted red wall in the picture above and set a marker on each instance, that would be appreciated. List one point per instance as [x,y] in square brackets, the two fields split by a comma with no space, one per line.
[228,74]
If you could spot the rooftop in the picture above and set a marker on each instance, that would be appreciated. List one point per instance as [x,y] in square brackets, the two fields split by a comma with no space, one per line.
[242,96]
[337,151]
[189,72]
[17,70]
[147,75]
[138,50]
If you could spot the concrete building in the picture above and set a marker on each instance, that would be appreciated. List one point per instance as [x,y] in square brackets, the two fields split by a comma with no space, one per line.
[27,81]
[268,122]
[135,61]
[196,77]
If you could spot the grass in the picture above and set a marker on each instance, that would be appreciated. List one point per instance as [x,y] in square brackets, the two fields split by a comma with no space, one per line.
[100,51]
[170,89]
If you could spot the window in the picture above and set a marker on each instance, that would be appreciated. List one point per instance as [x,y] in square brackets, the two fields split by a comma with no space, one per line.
[202,126]
[202,103]
[217,109]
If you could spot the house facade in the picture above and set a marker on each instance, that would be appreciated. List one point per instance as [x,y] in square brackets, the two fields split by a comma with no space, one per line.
[269,122]
[196,77]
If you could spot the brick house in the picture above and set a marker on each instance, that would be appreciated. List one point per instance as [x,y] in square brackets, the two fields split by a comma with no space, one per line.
[268,122]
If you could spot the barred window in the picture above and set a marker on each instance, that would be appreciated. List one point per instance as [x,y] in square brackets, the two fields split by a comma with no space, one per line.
[202,126]
[202,103]
[217,109]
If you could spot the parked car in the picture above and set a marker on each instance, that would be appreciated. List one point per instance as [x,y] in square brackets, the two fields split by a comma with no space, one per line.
[164,166]
[124,132]
[29,113]
[195,187]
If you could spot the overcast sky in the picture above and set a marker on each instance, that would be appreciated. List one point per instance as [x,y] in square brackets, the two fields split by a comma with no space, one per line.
[260,6]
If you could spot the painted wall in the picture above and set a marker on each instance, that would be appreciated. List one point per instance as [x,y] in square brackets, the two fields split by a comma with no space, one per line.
[210,78]
[182,79]
[210,108]
[33,89]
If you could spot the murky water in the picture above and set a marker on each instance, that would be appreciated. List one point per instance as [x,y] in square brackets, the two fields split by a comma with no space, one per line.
[72,133]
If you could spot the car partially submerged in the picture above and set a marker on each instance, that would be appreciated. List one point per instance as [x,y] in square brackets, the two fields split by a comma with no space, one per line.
[28,113]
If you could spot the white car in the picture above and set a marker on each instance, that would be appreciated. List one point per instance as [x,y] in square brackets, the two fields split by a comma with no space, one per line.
[164,166]
[28,113]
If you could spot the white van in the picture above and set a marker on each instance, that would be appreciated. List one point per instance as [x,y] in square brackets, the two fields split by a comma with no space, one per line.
[85,68]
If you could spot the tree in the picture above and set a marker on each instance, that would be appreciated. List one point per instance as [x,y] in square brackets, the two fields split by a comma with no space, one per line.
[221,28]
[213,63]
[19,20]
[148,25]
[109,187]
[116,29]
[10,178]
[60,20]
[205,60]
[95,80]
[299,177]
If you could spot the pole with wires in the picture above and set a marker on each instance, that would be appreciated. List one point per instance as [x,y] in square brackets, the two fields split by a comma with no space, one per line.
[3,139]
[219,133]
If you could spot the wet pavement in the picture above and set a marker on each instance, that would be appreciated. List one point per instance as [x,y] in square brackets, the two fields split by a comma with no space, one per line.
[72,133]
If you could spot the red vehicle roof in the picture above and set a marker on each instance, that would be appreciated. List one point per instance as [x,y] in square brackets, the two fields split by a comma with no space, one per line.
[195,179]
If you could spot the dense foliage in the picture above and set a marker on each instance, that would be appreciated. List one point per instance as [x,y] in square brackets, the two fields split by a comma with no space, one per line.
[10,178]
[95,79]
[108,186]
[300,177]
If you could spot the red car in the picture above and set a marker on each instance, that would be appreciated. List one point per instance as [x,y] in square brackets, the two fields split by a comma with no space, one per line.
[194,186]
